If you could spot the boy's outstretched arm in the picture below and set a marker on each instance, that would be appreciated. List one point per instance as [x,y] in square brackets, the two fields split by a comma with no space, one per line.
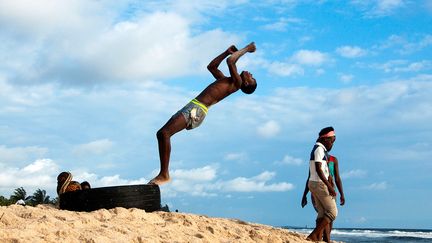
[231,61]
[214,64]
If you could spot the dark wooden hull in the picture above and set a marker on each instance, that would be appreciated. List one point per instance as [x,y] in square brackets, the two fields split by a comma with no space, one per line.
[145,197]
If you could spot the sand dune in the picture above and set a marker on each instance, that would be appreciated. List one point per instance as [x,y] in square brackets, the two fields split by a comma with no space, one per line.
[47,224]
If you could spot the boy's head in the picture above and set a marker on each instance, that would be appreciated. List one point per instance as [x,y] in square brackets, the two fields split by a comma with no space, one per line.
[249,83]
[85,185]
[327,137]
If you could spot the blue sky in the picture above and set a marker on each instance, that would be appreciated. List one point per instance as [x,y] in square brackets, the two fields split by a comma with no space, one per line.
[85,85]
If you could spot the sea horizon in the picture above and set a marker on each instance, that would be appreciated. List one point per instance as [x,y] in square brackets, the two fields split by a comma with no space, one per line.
[375,234]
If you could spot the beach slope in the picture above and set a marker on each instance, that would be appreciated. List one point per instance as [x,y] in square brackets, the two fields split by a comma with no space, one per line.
[45,223]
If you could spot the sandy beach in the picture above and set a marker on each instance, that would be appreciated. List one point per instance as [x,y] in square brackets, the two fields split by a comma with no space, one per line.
[45,223]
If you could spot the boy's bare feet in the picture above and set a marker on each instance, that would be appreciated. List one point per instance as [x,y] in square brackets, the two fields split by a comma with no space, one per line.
[251,47]
[232,49]
[159,180]
[311,239]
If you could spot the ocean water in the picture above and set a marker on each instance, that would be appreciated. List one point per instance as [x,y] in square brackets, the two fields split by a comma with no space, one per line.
[351,235]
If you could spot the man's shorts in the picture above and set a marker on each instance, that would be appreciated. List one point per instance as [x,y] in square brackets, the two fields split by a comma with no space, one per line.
[194,113]
[325,204]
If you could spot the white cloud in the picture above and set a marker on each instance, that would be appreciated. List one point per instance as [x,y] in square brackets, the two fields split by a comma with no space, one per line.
[195,10]
[346,78]
[95,147]
[206,173]
[88,44]
[42,174]
[289,160]
[309,57]
[269,129]
[38,174]
[115,180]
[404,46]
[394,66]
[377,186]
[415,67]
[305,39]
[403,101]
[282,24]
[19,100]
[354,174]
[236,156]
[130,44]
[47,16]
[255,184]
[414,151]
[95,180]
[37,166]
[387,6]
[285,69]
[351,51]
[372,8]
[19,155]
[185,181]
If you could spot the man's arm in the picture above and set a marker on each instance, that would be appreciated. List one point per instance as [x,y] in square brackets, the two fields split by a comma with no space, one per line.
[214,64]
[306,190]
[231,61]
[324,179]
[339,182]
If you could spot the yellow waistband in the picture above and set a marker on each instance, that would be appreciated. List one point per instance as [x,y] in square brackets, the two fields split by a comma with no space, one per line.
[196,102]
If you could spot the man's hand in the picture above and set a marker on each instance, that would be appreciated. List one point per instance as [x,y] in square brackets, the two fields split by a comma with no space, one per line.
[342,200]
[330,179]
[304,202]
[332,191]
[251,47]
[231,49]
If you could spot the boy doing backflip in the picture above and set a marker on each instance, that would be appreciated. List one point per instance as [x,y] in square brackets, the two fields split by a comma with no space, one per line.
[192,115]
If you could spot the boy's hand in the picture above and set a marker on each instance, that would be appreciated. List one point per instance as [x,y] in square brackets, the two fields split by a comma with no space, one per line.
[332,191]
[342,200]
[251,47]
[231,49]
[304,202]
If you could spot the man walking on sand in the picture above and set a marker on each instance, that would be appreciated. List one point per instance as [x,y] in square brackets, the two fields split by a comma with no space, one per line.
[320,184]
[192,115]
[333,166]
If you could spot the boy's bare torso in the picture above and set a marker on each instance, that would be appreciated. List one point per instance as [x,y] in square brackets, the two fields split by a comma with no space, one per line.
[217,91]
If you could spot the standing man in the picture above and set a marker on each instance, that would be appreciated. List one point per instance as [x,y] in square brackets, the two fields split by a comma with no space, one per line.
[333,166]
[194,112]
[320,184]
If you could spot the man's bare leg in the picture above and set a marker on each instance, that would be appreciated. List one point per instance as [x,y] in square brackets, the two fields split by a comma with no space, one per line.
[320,234]
[327,230]
[315,234]
[174,125]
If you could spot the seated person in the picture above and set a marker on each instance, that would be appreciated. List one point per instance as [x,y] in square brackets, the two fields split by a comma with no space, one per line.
[66,184]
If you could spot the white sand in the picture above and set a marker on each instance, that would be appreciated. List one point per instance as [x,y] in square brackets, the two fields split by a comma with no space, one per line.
[47,224]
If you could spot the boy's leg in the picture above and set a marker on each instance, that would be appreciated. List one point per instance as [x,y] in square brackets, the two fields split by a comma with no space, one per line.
[321,214]
[327,230]
[327,210]
[321,224]
[174,125]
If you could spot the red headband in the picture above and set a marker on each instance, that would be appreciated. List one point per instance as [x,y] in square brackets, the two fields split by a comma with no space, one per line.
[329,134]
